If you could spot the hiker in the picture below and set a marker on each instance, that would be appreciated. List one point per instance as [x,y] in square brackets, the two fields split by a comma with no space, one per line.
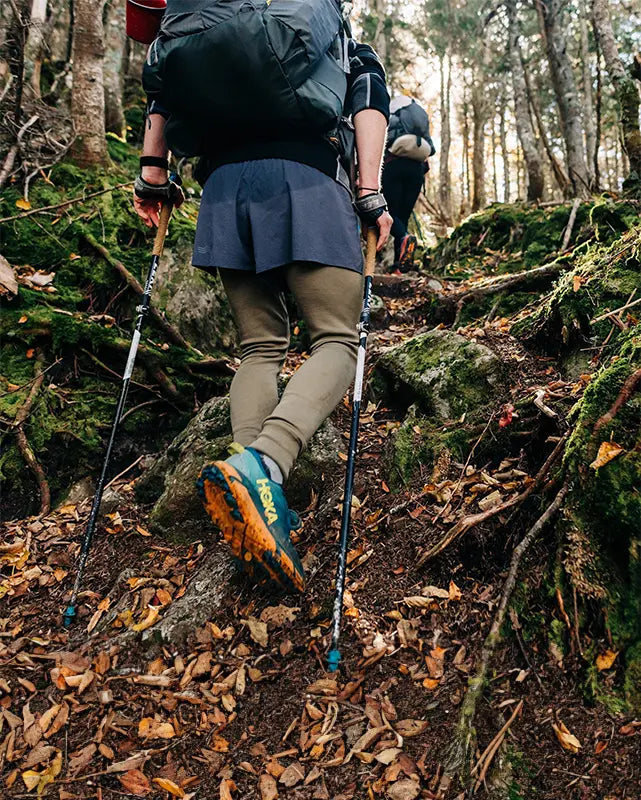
[277,214]
[409,146]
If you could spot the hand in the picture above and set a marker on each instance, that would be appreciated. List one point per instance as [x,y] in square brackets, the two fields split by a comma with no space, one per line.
[153,188]
[384,223]
[148,211]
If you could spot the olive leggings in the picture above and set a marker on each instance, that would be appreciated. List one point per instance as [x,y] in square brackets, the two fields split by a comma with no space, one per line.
[329,300]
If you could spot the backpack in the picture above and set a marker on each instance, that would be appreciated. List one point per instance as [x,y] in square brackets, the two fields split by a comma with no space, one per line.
[220,66]
[408,134]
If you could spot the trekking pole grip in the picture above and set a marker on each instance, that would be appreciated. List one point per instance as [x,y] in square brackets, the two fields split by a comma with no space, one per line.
[370,252]
[163,223]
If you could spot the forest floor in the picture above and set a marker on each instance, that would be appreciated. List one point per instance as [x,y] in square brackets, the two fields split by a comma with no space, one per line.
[246,709]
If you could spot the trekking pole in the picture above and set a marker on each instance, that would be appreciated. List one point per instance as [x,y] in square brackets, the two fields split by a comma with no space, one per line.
[142,310]
[334,656]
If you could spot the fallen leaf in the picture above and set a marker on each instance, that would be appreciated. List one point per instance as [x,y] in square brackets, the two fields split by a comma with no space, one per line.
[388,755]
[607,451]
[7,277]
[577,280]
[149,728]
[404,790]
[292,775]
[268,788]
[258,631]
[279,615]
[150,619]
[410,727]
[23,204]
[606,660]
[224,790]
[169,786]
[567,740]
[454,591]
[136,783]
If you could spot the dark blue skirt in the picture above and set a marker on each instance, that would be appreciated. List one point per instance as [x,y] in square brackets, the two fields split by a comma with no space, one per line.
[259,215]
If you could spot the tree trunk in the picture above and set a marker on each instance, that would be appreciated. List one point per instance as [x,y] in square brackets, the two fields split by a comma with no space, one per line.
[567,97]
[588,101]
[479,118]
[495,177]
[466,190]
[88,94]
[34,48]
[504,152]
[115,42]
[524,128]
[380,37]
[599,115]
[444,178]
[625,88]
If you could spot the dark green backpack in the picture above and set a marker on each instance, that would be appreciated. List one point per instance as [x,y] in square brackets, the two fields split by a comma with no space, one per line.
[225,66]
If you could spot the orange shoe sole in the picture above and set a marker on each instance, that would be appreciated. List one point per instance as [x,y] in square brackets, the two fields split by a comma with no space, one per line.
[230,506]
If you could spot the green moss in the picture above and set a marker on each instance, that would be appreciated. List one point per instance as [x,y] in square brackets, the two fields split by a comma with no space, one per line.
[632,681]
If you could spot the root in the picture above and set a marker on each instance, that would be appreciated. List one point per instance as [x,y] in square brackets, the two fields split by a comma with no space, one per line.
[624,395]
[73,200]
[22,442]
[458,759]
[470,521]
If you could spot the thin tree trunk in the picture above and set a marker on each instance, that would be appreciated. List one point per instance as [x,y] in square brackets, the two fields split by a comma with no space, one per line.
[115,43]
[444,178]
[566,95]
[588,101]
[625,88]
[34,48]
[88,94]
[597,129]
[380,36]
[479,118]
[524,128]
[467,193]
[504,153]
[495,179]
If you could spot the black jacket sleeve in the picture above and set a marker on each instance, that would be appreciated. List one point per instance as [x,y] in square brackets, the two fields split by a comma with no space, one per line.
[366,86]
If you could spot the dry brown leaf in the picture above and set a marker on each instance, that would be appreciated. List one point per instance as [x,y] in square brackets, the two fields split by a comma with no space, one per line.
[406,789]
[567,740]
[410,727]
[324,686]
[225,789]
[268,788]
[434,591]
[170,786]
[292,775]
[149,728]
[607,451]
[258,631]
[606,660]
[454,591]
[133,762]
[418,601]
[81,758]
[39,755]
[59,721]
[388,755]
[279,615]
[135,782]
[150,618]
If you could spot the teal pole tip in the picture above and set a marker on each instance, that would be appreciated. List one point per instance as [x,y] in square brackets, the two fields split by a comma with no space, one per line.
[68,616]
[333,660]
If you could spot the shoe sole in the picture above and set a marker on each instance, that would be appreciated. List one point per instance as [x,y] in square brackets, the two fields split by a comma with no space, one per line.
[229,504]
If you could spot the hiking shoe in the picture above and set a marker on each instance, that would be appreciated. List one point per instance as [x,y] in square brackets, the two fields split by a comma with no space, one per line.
[252,514]
[406,253]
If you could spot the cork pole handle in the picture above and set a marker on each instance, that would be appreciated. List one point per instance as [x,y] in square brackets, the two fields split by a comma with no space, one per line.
[370,253]
[163,223]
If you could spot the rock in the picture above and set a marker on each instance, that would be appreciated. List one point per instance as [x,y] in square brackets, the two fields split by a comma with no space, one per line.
[81,490]
[378,312]
[111,501]
[193,300]
[447,375]
[170,481]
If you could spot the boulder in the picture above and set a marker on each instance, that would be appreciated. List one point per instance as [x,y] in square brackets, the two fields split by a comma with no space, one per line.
[447,375]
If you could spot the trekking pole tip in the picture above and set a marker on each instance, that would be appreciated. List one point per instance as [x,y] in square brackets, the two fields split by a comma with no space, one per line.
[333,660]
[68,616]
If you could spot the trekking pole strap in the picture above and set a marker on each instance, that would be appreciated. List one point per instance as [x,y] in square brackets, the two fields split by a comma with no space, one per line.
[370,253]
[163,223]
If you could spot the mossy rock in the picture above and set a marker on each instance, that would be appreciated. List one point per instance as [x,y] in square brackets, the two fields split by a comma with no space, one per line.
[170,483]
[603,279]
[447,375]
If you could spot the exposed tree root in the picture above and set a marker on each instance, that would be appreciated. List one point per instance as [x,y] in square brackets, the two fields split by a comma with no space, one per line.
[172,333]
[470,521]
[458,757]
[23,444]
[624,395]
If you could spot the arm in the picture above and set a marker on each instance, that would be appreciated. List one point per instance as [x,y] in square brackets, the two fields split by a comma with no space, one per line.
[154,145]
[371,129]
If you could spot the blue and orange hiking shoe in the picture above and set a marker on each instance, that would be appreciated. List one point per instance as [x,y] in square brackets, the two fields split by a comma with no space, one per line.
[252,514]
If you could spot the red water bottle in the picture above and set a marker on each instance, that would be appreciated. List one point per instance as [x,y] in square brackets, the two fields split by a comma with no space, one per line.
[144,18]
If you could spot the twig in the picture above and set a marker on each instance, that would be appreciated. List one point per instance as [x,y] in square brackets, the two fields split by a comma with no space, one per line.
[461,746]
[23,444]
[490,751]
[172,332]
[28,383]
[570,226]
[462,526]
[615,312]
[624,395]
[73,200]
[13,151]
[131,466]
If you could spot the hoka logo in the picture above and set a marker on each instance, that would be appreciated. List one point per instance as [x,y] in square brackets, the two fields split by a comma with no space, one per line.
[267,500]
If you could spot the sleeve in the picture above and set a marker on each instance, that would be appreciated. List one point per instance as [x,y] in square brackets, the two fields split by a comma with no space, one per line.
[366,86]
[154,107]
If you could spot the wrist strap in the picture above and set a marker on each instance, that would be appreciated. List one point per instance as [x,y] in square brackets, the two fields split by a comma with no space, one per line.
[367,189]
[154,161]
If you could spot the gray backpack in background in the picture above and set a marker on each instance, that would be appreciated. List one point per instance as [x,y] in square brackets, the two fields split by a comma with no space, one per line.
[411,120]
[225,66]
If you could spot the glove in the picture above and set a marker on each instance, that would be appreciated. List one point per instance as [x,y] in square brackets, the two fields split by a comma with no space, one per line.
[168,192]
[370,207]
